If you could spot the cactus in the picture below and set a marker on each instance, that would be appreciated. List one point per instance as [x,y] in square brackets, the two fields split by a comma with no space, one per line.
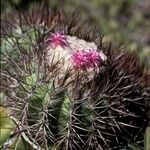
[65,88]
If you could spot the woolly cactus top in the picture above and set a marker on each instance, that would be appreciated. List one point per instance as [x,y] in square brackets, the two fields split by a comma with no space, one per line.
[72,52]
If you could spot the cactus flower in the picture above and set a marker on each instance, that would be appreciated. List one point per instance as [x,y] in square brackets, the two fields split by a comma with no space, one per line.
[78,59]
[85,59]
[57,39]
[93,58]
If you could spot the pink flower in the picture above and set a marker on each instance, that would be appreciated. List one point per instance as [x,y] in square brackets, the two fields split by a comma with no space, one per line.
[92,57]
[57,39]
[85,59]
[78,59]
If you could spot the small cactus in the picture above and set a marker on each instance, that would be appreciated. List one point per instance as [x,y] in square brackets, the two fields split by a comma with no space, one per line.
[66,90]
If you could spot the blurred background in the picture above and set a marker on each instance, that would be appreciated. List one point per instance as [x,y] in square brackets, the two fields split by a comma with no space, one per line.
[125,22]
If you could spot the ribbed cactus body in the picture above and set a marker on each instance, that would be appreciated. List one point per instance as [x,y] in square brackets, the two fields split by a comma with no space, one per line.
[67,90]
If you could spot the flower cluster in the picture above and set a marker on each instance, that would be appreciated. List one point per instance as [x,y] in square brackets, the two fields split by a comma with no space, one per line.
[85,59]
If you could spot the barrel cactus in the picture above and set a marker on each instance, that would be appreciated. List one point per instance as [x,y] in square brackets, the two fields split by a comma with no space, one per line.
[65,88]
